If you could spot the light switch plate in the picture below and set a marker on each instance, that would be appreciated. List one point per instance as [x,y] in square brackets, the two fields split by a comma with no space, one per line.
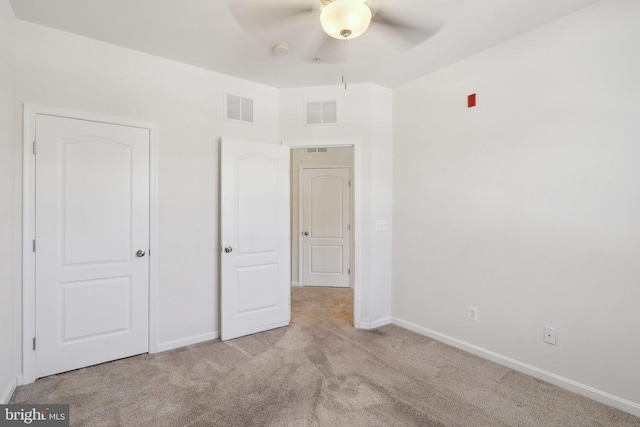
[381,225]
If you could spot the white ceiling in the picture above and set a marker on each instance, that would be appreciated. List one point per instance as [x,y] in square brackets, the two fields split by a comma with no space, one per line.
[206,34]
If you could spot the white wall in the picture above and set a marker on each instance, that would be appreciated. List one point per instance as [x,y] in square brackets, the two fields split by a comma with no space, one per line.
[527,206]
[379,180]
[364,114]
[63,70]
[7,227]
[300,157]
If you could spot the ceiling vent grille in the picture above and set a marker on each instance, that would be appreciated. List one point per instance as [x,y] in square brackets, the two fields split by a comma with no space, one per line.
[317,150]
[319,113]
[239,109]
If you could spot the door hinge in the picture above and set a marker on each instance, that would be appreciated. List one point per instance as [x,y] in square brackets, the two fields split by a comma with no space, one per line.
[349,227]
[34,343]
[348,271]
[34,147]
[349,183]
[34,245]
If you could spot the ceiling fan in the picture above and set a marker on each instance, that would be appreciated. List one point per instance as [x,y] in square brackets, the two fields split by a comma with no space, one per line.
[397,24]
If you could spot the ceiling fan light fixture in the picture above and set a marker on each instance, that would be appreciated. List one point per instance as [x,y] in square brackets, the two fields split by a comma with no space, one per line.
[345,19]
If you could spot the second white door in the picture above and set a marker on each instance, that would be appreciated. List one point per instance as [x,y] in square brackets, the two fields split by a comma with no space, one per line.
[92,239]
[255,259]
[326,228]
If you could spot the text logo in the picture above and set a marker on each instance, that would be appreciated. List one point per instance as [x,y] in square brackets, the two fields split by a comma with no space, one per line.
[34,415]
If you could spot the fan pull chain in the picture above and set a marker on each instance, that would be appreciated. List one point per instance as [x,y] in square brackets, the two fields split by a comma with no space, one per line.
[344,63]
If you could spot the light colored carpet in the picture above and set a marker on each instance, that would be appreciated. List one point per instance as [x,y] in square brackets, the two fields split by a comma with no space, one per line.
[319,371]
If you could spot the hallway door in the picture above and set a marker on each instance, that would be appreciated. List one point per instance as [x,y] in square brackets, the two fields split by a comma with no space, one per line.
[326,227]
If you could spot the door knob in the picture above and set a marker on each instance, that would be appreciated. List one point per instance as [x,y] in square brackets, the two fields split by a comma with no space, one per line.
[306,233]
[140,253]
[228,249]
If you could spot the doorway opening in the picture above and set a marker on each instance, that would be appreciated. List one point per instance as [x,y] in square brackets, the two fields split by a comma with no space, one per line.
[322,218]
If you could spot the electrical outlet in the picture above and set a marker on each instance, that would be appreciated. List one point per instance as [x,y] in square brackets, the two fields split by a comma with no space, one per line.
[473,313]
[550,335]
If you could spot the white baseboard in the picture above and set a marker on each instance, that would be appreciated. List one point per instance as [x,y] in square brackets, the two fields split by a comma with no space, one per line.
[375,323]
[565,383]
[182,342]
[295,283]
[8,392]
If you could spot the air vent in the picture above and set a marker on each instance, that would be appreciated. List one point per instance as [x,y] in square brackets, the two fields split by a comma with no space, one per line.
[317,150]
[239,109]
[321,113]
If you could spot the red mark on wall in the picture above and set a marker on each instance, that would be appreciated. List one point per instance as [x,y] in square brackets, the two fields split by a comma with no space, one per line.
[471,100]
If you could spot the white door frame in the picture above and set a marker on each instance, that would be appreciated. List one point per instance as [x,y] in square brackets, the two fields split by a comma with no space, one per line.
[301,219]
[28,224]
[356,214]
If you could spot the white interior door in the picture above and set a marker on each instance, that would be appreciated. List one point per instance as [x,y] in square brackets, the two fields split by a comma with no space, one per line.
[92,216]
[326,235]
[255,258]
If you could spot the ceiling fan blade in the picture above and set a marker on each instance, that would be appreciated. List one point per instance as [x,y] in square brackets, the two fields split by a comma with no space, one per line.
[411,34]
[264,15]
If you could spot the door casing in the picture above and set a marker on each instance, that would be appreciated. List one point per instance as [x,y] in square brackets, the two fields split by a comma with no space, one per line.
[28,224]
